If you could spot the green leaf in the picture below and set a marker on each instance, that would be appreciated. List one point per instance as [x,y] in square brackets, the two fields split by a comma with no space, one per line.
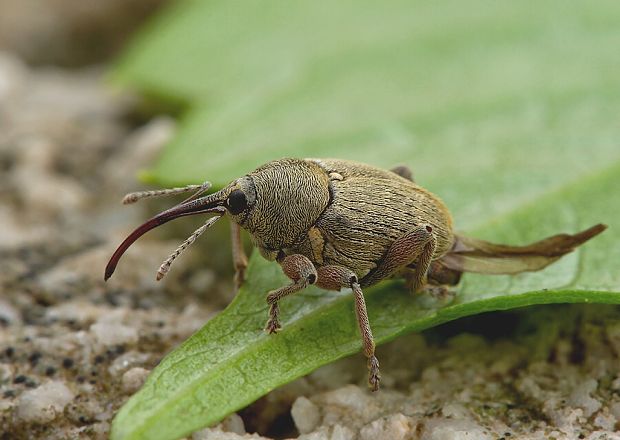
[231,362]
[508,111]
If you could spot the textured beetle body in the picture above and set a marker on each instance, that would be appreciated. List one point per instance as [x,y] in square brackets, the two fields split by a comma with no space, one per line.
[342,224]
[368,210]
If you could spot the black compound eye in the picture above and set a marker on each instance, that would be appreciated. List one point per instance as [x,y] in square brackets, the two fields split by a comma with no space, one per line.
[237,202]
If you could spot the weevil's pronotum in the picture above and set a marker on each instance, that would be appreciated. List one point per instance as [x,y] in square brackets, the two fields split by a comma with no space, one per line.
[342,224]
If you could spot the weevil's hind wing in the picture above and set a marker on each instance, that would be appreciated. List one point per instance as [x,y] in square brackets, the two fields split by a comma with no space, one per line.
[474,255]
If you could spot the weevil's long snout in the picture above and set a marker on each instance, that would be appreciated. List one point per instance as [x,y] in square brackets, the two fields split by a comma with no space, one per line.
[212,203]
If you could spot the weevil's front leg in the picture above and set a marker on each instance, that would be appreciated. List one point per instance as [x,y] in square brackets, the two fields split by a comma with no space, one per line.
[417,246]
[403,171]
[240,260]
[299,269]
[336,277]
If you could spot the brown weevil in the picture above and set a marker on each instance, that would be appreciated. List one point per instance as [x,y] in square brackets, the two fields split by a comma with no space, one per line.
[342,224]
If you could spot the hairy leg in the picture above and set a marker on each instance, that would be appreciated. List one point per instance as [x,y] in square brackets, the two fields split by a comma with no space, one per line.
[417,246]
[436,293]
[337,277]
[302,272]
[438,274]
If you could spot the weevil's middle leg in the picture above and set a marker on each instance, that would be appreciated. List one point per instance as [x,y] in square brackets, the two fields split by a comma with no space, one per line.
[240,260]
[299,269]
[336,277]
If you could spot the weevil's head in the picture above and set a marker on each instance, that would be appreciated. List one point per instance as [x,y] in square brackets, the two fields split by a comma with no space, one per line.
[277,204]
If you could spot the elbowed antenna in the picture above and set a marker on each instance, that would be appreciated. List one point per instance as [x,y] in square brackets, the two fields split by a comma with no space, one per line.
[213,203]
[139,195]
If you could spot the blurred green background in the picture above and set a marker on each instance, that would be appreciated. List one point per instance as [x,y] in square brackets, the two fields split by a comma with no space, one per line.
[491,103]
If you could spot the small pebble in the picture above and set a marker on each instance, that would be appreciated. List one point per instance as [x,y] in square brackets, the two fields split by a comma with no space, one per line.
[110,333]
[43,404]
[305,415]
[126,361]
[340,432]
[133,379]
[6,372]
[395,427]
[580,397]
[449,429]
[233,423]
[8,313]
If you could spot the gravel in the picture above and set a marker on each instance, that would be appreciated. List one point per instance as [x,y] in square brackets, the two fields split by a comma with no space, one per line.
[72,349]
[44,403]
[535,387]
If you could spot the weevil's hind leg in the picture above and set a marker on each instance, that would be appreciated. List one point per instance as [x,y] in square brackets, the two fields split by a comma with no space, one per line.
[299,269]
[439,274]
[240,260]
[423,263]
[403,171]
[336,277]
[432,295]
[437,292]
[418,245]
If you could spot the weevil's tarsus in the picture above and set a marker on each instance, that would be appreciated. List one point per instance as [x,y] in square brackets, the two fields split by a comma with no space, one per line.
[302,272]
[165,266]
[474,255]
[434,296]
[332,277]
[139,195]
[212,203]
[367,339]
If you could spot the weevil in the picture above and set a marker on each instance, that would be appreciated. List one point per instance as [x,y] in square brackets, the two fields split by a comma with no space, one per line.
[343,224]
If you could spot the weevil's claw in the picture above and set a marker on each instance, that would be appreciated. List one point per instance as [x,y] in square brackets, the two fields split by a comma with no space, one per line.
[433,297]
[373,374]
[273,326]
[273,323]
